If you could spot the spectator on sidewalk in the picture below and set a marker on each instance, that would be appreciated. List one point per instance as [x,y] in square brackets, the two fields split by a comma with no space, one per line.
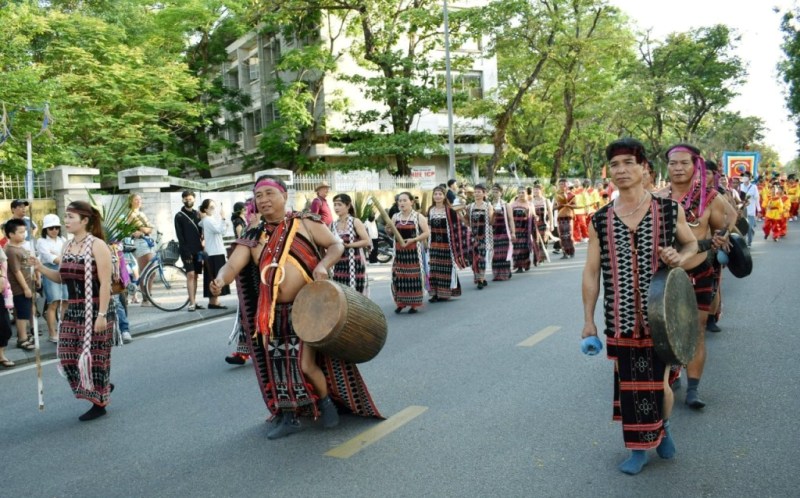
[49,249]
[21,280]
[190,241]
[213,227]
[320,203]
[143,236]
[18,208]
[5,323]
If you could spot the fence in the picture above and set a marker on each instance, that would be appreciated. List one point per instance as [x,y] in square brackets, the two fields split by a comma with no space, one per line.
[363,181]
[13,187]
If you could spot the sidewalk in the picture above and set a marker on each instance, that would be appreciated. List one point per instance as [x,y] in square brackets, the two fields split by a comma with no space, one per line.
[143,320]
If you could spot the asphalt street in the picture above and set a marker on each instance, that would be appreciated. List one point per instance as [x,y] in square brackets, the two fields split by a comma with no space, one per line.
[487,395]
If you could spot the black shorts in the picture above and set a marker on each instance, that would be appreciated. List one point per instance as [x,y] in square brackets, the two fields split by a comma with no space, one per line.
[23,307]
[704,280]
[192,262]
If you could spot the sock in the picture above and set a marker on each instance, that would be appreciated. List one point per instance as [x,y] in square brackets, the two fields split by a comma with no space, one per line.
[635,463]
[666,449]
[692,384]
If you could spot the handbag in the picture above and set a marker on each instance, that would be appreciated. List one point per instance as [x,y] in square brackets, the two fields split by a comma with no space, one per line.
[150,242]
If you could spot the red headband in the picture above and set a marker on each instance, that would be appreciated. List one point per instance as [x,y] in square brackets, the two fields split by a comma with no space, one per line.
[269,183]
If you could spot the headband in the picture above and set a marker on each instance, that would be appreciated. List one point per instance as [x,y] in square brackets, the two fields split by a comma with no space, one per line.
[81,212]
[269,183]
[699,176]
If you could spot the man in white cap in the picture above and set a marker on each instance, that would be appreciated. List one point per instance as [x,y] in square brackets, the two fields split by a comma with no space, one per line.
[320,205]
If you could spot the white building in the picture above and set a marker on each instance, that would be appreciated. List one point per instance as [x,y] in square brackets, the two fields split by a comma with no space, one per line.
[251,68]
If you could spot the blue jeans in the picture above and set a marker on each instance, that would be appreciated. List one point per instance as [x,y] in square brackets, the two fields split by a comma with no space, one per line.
[122,316]
[752,221]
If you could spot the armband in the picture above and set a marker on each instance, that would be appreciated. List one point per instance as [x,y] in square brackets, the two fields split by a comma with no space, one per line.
[703,245]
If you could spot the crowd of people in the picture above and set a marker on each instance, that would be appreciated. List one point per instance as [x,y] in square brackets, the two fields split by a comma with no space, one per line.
[632,228]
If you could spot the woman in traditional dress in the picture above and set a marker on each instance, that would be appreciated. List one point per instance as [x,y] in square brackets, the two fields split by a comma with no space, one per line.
[408,269]
[522,214]
[502,236]
[480,214]
[448,249]
[214,227]
[351,269]
[543,210]
[87,330]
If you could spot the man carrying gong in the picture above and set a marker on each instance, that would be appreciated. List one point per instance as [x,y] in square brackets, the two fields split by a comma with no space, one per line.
[630,239]
[272,261]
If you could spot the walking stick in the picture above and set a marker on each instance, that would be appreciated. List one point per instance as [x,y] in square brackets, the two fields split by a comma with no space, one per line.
[37,350]
[387,220]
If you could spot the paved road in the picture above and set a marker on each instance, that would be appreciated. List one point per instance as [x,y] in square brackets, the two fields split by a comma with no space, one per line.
[475,413]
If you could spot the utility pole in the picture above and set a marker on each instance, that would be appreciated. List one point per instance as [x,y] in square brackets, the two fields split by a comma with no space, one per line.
[451,170]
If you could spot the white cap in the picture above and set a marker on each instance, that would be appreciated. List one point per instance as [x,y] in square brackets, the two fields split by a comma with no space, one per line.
[50,220]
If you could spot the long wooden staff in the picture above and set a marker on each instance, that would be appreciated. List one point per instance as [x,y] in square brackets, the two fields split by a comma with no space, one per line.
[387,220]
[37,351]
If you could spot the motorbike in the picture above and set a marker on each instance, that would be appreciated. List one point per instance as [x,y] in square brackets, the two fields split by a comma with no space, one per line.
[385,246]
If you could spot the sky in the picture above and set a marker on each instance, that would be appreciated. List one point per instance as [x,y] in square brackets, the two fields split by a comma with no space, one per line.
[763,94]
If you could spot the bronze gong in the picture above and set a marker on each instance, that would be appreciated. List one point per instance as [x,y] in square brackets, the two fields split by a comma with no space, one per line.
[672,314]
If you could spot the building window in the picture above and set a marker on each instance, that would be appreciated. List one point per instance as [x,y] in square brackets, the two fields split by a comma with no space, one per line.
[258,125]
[470,84]
[271,113]
[232,79]
[274,51]
[253,68]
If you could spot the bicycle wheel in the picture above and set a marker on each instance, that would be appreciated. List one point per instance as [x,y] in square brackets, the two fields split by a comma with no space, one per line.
[165,286]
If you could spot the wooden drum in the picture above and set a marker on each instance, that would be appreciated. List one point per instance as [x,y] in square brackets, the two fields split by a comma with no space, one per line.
[339,321]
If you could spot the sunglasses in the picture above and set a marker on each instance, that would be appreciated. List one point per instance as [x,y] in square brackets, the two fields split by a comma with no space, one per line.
[52,228]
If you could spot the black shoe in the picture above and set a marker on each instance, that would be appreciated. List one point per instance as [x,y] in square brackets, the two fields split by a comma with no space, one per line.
[693,400]
[712,326]
[434,299]
[480,285]
[564,256]
[398,310]
[288,426]
[519,270]
[330,416]
[235,360]
[111,387]
[412,311]
[94,412]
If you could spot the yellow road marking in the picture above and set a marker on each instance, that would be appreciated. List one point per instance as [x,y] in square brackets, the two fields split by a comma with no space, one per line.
[539,336]
[366,438]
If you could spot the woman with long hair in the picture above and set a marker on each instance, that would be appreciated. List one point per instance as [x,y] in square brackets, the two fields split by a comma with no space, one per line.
[408,271]
[502,236]
[448,250]
[214,227]
[480,214]
[351,269]
[238,218]
[142,237]
[49,249]
[522,215]
[87,330]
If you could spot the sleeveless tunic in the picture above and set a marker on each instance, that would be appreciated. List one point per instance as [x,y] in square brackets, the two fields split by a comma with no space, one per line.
[71,333]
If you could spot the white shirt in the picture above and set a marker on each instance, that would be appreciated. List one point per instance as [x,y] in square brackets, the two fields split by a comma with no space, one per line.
[213,229]
[755,201]
[47,249]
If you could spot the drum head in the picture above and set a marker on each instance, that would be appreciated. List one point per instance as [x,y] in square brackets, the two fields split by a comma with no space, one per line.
[672,314]
[318,309]
[740,262]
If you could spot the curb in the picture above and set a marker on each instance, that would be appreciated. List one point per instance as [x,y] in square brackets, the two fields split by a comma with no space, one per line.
[30,357]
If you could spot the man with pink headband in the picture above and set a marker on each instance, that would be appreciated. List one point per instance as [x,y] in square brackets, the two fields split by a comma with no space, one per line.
[708,218]
[273,259]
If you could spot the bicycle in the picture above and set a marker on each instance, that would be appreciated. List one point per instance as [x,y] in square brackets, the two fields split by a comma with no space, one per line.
[162,282]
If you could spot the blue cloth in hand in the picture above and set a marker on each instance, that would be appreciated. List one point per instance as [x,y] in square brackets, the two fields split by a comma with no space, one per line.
[591,345]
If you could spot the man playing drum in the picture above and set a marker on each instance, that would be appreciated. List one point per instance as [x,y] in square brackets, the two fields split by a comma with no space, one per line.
[629,240]
[274,258]
[707,214]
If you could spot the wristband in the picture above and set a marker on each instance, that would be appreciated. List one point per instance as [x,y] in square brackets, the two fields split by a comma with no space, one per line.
[100,313]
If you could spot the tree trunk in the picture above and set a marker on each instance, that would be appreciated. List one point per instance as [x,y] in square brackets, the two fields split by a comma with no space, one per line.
[569,121]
